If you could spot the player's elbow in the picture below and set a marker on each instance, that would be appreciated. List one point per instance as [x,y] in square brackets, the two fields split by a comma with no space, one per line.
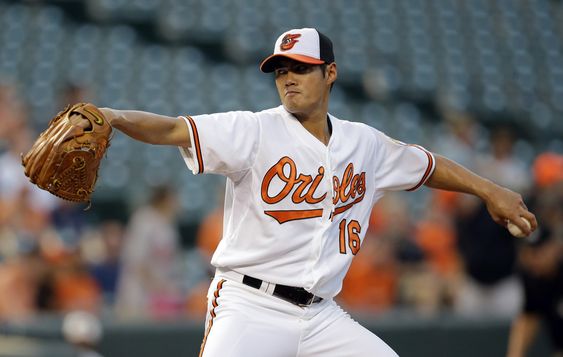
[166,131]
[179,135]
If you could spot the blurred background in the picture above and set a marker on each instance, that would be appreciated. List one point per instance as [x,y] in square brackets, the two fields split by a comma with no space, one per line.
[479,81]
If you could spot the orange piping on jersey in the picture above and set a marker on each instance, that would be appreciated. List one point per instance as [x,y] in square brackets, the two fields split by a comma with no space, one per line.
[345,208]
[196,144]
[212,313]
[283,216]
[428,169]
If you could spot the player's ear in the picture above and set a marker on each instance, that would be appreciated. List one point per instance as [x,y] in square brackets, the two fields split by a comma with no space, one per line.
[331,73]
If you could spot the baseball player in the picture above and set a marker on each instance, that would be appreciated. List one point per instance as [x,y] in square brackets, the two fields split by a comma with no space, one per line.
[300,187]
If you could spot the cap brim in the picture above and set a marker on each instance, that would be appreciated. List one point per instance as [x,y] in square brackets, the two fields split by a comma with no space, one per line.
[267,64]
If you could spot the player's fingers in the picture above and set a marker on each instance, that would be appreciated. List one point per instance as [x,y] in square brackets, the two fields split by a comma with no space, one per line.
[532,219]
[80,121]
[499,220]
[519,215]
[523,221]
[524,226]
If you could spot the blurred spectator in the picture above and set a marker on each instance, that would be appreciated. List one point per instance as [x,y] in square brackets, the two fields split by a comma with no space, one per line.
[436,236]
[73,286]
[150,281]
[102,252]
[66,284]
[490,287]
[541,270]
[437,239]
[20,277]
[69,219]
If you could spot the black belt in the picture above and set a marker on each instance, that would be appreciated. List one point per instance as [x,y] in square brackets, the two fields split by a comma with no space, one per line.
[296,296]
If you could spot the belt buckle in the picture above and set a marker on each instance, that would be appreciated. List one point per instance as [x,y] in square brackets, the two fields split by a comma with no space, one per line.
[308,303]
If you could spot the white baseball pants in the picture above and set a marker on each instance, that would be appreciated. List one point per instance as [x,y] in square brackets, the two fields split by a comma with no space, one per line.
[245,322]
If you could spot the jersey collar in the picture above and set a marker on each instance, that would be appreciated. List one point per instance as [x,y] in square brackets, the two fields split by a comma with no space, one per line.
[304,135]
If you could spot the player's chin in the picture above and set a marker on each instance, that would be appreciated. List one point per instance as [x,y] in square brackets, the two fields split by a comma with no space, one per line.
[292,106]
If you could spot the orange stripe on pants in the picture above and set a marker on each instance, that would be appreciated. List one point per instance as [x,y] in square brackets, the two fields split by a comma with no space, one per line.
[212,313]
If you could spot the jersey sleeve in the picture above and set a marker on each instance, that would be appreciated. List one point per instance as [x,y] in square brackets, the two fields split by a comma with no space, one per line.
[223,143]
[400,166]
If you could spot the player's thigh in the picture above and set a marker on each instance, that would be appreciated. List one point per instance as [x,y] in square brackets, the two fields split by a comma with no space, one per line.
[339,335]
[241,325]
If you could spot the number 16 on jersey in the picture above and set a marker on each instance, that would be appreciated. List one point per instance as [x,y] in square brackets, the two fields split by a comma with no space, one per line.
[349,232]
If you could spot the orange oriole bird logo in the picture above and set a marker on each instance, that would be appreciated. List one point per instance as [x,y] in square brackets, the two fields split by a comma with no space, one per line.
[289,41]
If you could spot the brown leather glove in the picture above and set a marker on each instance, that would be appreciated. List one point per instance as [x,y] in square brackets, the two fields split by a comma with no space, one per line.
[65,159]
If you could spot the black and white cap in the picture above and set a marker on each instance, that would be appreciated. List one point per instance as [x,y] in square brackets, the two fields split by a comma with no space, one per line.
[304,45]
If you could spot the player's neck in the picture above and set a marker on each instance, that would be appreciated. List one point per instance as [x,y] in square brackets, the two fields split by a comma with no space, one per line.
[317,125]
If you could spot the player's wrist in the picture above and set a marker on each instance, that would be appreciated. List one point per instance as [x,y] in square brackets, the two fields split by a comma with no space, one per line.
[111,115]
[486,190]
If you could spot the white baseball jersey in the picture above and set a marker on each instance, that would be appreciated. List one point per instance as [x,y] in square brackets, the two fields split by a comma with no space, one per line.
[296,210]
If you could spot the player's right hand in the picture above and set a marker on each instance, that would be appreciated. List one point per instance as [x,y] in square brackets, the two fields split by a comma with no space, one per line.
[506,206]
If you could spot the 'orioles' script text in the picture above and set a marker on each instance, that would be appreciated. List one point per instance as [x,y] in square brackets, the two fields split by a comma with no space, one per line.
[303,188]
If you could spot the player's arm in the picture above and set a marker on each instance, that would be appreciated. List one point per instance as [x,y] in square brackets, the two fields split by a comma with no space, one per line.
[522,333]
[502,203]
[148,127]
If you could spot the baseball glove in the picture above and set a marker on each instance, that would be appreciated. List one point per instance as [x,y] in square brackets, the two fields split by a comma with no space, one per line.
[64,160]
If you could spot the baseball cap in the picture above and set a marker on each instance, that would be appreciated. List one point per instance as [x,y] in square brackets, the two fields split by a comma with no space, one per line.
[306,45]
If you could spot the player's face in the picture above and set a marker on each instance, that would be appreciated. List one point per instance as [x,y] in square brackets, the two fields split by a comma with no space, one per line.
[302,87]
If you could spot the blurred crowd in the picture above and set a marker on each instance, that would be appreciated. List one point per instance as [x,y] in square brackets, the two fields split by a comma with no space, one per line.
[450,256]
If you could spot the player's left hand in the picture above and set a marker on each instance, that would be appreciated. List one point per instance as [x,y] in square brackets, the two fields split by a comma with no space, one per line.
[505,205]
[65,158]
